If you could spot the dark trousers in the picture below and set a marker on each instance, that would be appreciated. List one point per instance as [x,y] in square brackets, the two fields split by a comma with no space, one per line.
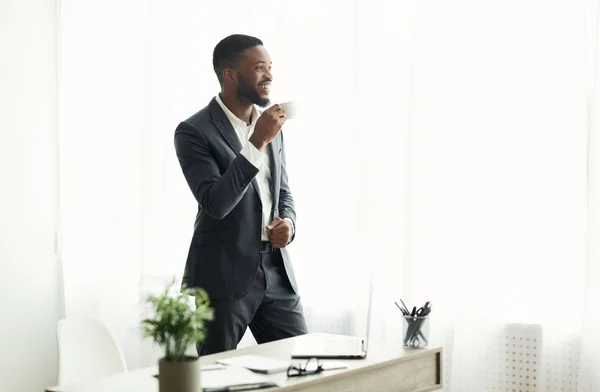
[270,309]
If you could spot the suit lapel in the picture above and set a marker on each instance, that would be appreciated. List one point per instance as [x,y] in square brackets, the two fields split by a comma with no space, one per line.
[228,133]
[222,123]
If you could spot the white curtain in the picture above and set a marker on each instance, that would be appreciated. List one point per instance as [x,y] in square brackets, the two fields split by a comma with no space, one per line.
[496,189]
[589,372]
[441,148]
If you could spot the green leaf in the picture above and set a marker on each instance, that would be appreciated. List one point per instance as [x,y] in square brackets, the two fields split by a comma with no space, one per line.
[174,324]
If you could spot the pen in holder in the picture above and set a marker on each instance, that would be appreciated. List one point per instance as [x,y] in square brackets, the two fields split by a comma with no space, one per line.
[415,331]
[415,327]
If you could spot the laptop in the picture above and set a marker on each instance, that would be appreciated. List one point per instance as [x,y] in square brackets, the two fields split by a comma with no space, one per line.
[336,347]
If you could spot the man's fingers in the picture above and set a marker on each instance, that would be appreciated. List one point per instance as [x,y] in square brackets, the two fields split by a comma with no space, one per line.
[274,108]
[276,111]
[282,238]
[279,223]
[278,235]
[276,222]
[280,229]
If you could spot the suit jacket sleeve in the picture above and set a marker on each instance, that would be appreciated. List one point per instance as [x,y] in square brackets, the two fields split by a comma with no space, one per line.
[286,201]
[216,194]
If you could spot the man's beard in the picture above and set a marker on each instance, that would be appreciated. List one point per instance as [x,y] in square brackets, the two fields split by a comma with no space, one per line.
[247,92]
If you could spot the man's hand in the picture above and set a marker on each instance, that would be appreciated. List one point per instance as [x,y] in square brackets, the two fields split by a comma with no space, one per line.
[281,232]
[268,126]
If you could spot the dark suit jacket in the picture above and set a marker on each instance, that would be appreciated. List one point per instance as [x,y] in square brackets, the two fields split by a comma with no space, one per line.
[224,252]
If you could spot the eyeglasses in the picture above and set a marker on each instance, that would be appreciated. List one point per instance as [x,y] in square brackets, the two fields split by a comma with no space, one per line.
[312,366]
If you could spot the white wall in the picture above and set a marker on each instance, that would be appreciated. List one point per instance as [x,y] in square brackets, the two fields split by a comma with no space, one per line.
[29,300]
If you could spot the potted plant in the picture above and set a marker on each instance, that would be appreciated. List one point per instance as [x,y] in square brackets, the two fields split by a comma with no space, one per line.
[175,325]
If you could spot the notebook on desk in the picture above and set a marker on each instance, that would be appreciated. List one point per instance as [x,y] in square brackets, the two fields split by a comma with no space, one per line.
[338,347]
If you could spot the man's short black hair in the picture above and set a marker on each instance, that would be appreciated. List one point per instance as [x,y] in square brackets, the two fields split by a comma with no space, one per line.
[228,50]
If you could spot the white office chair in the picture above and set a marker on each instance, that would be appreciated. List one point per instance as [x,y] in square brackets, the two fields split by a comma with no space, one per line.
[86,350]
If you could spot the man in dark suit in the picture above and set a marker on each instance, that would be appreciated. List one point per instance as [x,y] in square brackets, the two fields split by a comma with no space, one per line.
[233,159]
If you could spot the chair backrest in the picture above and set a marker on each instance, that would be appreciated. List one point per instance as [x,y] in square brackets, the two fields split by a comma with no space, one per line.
[86,350]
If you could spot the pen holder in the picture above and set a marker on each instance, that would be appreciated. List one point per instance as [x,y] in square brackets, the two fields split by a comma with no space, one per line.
[415,331]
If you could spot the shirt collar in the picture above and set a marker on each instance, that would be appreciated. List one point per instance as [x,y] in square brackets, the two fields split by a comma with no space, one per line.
[233,118]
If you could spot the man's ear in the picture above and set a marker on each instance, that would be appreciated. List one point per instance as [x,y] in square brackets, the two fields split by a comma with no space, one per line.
[229,75]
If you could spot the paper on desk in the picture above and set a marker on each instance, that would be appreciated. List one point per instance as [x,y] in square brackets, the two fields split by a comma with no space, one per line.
[258,363]
[233,376]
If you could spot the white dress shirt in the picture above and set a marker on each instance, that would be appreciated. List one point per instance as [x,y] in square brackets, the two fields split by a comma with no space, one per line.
[260,160]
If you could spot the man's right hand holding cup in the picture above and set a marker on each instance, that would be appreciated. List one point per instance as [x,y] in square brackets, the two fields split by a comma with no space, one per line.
[268,126]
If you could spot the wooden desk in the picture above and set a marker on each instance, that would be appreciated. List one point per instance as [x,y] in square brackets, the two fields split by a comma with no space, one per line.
[388,367]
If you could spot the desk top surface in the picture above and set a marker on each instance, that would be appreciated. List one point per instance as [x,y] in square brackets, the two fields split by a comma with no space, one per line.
[380,353]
